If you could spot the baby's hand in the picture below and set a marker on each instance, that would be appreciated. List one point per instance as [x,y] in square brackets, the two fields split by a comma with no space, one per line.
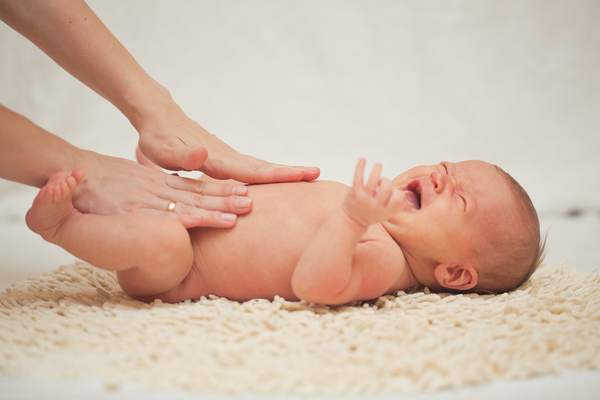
[377,201]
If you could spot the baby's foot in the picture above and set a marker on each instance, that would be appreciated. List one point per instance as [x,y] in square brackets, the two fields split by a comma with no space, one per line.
[53,204]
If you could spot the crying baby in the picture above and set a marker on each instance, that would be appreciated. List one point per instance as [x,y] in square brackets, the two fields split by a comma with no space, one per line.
[460,227]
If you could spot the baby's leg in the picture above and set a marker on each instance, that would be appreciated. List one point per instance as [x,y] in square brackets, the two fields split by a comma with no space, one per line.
[153,253]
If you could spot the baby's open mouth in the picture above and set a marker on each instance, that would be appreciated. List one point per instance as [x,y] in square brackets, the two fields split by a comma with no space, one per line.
[413,195]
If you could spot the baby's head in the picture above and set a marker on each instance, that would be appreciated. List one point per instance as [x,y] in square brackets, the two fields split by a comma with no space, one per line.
[467,226]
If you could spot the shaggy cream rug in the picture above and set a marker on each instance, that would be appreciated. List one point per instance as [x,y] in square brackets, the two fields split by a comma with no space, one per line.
[75,322]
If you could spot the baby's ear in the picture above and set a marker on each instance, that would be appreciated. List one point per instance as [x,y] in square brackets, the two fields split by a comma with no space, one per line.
[456,277]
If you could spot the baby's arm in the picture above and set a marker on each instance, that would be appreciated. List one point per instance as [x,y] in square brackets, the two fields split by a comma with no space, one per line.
[151,254]
[344,262]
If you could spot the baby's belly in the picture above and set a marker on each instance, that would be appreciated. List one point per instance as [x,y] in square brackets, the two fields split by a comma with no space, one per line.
[256,258]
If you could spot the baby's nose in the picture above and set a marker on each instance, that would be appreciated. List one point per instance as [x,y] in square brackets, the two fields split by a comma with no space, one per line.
[440,182]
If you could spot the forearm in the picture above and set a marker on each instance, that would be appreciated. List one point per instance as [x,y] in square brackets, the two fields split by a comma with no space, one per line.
[326,272]
[29,154]
[71,34]
[74,37]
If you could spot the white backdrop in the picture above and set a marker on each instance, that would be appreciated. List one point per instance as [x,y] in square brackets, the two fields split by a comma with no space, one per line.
[515,83]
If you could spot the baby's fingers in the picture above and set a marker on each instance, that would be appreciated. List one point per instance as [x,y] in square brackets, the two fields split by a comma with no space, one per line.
[384,193]
[373,181]
[396,200]
[359,173]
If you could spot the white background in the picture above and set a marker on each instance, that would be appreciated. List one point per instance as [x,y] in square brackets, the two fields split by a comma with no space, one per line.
[515,83]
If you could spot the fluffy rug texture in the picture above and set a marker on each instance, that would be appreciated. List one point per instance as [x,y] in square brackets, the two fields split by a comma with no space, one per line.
[75,322]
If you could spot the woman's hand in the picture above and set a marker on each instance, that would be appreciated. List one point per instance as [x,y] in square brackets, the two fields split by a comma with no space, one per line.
[375,201]
[116,186]
[88,51]
[170,139]
[31,155]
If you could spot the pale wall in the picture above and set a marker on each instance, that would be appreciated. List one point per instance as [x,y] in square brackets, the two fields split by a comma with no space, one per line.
[516,83]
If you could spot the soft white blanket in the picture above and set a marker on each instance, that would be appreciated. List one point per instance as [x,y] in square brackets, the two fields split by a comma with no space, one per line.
[75,322]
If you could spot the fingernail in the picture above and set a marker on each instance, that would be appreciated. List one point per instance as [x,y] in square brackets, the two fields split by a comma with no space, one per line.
[243,202]
[228,217]
[312,169]
[239,190]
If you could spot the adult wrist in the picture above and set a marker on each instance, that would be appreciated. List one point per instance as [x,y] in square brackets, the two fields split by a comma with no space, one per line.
[145,105]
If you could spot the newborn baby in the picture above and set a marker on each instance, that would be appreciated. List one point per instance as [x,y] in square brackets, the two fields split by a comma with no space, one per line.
[461,227]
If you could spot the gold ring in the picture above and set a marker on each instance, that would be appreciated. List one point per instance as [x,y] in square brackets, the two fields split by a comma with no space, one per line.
[171,206]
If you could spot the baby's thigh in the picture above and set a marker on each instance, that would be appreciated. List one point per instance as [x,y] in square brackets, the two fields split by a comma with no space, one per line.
[162,264]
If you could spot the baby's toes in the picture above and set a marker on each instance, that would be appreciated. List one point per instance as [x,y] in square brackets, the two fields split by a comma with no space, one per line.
[66,189]
[56,193]
[71,185]
[58,178]
[45,195]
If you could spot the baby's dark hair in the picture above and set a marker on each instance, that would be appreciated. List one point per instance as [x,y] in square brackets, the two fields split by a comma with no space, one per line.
[516,251]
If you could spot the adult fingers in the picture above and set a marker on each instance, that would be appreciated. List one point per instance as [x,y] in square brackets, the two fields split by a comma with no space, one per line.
[243,168]
[205,188]
[116,186]
[197,218]
[229,204]
[175,142]
[258,172]
[208,196]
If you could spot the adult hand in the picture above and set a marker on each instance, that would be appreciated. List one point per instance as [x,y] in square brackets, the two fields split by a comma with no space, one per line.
[116,186]
[86,49]
[170,139]
[31,155]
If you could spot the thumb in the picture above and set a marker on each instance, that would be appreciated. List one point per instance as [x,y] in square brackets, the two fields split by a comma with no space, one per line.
[189,159]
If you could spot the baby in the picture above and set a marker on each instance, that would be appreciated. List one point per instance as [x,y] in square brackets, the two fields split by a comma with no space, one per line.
[461,227]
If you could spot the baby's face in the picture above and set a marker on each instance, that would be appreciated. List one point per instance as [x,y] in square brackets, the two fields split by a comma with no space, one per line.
[447,209]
